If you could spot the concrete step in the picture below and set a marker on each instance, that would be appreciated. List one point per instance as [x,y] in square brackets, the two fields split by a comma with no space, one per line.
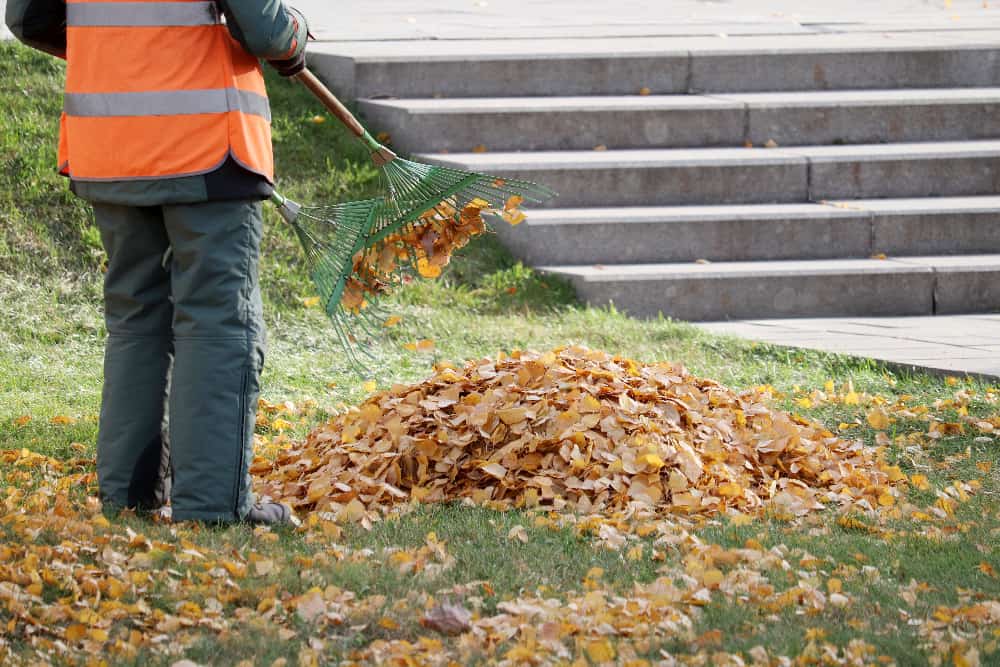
[637,235]
[558,123]
[867,171]
[623,66]
[818,288]
[650,177]
[877,116]
[748,175]
[931,226]
[675,121]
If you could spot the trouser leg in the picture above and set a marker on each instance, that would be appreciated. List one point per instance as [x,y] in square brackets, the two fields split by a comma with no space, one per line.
[138,315]
[219,345]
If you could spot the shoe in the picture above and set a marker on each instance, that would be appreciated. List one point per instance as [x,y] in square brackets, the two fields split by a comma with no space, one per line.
[271,514]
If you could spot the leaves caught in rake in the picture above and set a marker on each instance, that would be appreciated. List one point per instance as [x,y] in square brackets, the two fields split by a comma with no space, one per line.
[358,251]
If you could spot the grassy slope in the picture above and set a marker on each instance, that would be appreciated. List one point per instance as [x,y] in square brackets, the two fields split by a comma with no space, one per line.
[50,351]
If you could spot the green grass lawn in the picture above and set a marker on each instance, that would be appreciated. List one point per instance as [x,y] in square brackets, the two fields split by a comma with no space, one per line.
[893,589]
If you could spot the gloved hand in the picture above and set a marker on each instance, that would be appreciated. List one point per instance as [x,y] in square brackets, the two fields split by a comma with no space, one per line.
[295,60]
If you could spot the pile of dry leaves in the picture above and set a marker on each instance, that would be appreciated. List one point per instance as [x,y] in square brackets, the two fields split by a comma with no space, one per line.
[580,430]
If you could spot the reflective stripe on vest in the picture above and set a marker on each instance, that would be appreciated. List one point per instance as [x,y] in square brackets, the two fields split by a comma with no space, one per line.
[159,90]
[167,103]
[140,14]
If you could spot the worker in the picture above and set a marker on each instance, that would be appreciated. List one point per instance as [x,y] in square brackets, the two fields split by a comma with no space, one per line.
[166,132]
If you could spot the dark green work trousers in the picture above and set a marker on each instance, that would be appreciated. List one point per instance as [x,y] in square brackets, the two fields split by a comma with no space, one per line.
[184,353]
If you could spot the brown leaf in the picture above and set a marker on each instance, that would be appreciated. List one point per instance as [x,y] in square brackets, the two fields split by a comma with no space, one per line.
[448,619]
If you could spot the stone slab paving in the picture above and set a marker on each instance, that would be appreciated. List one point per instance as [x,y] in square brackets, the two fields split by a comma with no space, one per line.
[956,345]
[348,20]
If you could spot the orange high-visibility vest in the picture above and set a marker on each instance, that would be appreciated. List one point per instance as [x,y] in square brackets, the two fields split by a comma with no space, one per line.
[159,90]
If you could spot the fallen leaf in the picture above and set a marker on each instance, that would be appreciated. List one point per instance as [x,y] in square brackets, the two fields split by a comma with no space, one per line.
[518,533]
[447,619]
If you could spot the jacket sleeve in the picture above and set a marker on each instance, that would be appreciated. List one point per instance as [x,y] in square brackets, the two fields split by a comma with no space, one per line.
[41,24]
[266,28]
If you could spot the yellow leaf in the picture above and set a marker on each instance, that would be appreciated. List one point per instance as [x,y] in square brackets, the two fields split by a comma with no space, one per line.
[895,474]
[514,217]
[678,482]
[22,420]
[635,553]
[730,490]
[829,386]
[513,415]
[392,321]
[75,632]
[984,466]
[425,345]
[62,420]
[804,402]
[388,623]
[987,569]
[280,425]
[645,91]
[426,269]
[98,635]
[886,499]
[920,481]
[712,578]
[234,568]
[951,381]
[600,650]
[852,398]
[369,386]
[653,461]
[513,202]
[317,119]
[878,419]
[834,585]
[310,302]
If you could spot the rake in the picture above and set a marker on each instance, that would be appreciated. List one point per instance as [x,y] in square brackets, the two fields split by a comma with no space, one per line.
[358,251]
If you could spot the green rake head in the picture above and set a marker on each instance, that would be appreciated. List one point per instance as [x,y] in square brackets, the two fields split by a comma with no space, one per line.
[436,204]
[357,252]
[332,237]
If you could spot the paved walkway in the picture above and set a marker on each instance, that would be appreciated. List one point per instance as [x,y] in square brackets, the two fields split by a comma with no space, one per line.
[954,344]
[349,20]
[364,20]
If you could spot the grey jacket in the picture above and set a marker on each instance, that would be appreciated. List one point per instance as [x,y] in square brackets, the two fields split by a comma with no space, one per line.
[265,28]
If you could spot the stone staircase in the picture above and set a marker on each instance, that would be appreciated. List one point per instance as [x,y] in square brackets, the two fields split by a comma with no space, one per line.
[780,176]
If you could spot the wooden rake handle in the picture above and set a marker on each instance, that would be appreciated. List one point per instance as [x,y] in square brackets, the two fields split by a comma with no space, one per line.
[380,154]
[330,101]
